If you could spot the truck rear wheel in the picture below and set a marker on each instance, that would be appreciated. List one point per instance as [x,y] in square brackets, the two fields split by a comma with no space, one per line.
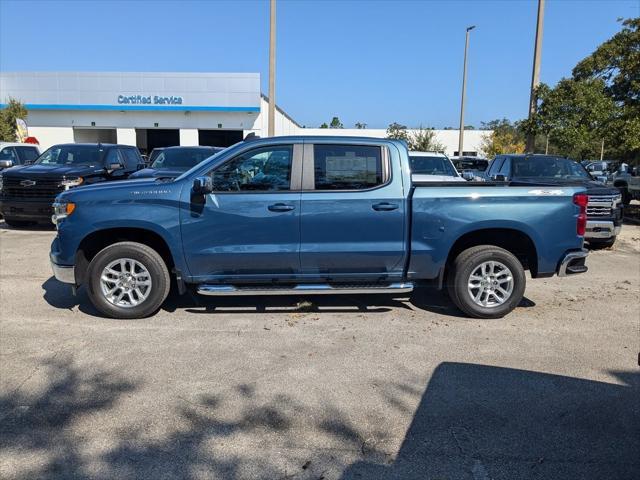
[128,280]
[486,282]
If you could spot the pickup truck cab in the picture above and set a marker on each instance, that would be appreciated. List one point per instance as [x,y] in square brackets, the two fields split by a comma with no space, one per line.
[27,191]
[313,215]
[174,161]
[13,154]
[604,210]
[433,167]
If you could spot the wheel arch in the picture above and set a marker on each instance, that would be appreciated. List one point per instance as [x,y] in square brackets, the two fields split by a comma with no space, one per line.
[515,241]
[97,240]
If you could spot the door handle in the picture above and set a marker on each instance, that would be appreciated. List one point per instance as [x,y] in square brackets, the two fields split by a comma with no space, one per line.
[280,207]
[384,207]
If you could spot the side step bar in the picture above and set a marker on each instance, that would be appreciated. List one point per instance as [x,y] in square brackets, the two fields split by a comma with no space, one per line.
[304,289]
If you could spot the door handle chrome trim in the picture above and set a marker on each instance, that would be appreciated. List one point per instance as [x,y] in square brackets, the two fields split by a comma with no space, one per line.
[280,207]
[384,206]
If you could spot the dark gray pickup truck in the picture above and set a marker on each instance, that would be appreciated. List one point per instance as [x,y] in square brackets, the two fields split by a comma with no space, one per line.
[604,210]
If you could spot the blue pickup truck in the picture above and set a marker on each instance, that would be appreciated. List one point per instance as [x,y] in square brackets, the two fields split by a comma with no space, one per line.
[313,215]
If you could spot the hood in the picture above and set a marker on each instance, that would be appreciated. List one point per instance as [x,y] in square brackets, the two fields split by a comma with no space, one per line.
[158,172]
[69,171]
[108,187]
[419,177]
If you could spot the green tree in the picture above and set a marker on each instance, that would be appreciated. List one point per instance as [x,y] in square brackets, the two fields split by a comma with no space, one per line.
[13,109]
[336,123]
[423,140]
[397,131]
[617,63]
[576,115]
[324,125]
[360,125]
[507,137]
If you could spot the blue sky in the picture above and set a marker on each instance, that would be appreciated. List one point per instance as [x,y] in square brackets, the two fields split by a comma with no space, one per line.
[370,61]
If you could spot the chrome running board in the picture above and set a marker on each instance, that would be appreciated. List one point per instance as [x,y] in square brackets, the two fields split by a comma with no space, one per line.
[304,289]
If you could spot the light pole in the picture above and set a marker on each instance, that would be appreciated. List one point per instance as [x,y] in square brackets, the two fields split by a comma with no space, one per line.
[272,69]
[535,74]
[464,91]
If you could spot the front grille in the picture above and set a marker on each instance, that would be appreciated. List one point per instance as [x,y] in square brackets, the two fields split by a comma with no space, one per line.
[599,211]
[42,188]
[602,205]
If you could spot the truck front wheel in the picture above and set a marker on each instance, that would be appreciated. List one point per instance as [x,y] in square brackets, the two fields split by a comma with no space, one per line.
[486,282]
[128,280]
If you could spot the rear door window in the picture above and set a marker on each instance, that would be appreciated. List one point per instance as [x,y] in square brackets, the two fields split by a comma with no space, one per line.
[131,159]
[347,167]
[27,154]
[112,157]
[7,153]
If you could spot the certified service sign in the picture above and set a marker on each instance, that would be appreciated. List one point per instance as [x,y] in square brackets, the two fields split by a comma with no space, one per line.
[149,100]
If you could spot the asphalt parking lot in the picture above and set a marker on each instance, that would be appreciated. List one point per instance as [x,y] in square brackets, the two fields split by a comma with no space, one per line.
[330,388]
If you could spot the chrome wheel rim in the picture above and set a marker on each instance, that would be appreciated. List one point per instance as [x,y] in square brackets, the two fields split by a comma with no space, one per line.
[125,283]
[490,284]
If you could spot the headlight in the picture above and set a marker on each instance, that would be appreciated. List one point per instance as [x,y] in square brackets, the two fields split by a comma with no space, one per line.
[62,210]
[69,183]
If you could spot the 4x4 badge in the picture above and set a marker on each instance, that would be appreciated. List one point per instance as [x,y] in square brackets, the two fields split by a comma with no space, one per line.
[27,183]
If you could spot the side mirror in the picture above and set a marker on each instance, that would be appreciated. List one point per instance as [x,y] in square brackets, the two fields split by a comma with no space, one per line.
[114,166]
[468,175]
[602,178]
[202,185]
[499,178]
[6,163]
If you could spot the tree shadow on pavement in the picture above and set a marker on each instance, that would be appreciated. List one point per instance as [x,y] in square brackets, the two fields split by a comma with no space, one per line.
[472,422]
[481,422]
[40,423]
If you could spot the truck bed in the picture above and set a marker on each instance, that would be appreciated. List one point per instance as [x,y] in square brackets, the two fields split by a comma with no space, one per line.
[443,213]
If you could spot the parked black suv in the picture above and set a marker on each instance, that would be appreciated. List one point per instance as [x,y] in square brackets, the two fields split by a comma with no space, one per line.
[604,211]
[28,191]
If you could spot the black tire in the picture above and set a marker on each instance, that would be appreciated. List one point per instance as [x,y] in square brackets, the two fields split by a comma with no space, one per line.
[12,222]
[460,273]
[150,259]
[597,244]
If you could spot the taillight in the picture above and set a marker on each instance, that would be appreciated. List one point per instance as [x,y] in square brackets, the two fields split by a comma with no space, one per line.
[581,200]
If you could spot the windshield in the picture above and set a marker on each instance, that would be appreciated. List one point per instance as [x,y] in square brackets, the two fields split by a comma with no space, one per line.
[551,168]
[182,157]
[478,165]
[432,166]
[89,155]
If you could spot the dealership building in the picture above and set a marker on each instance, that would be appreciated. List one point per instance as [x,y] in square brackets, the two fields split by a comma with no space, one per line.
[154,109]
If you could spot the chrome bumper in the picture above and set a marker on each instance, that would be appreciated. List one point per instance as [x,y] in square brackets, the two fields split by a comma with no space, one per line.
[64,273]
[596,229]
[573,263]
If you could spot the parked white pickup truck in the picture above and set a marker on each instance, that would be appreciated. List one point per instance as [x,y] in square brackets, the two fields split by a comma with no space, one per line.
[432,167]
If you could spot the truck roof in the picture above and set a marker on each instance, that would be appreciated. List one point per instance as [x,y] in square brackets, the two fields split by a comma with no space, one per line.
[92,145]
[324,139]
